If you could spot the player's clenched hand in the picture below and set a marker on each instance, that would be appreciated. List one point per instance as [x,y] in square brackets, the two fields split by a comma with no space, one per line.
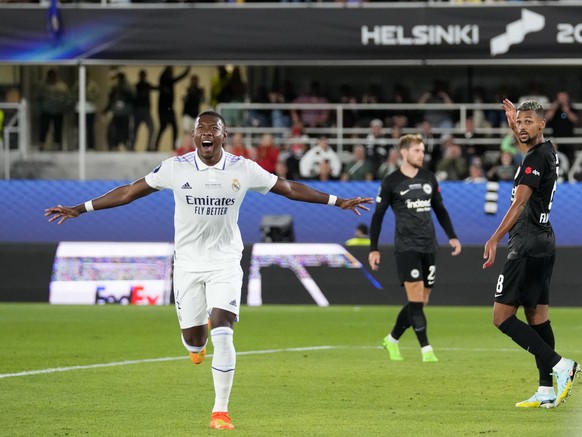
[374,260]
[61,213]
[355,203]
[489,253]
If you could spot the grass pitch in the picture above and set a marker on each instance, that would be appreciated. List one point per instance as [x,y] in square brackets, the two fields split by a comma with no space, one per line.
[301,371]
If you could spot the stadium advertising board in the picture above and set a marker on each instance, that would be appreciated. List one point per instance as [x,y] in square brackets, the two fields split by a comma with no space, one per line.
[410,35]
[112,273]
[297,257]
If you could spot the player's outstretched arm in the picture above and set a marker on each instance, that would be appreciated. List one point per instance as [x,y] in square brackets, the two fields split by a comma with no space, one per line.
[298,191]
[121,195]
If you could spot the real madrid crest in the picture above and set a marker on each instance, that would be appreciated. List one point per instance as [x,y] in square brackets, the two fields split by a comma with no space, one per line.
[235,185]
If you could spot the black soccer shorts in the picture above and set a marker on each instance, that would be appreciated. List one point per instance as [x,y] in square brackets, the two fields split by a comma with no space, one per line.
[525,281]
[416,266]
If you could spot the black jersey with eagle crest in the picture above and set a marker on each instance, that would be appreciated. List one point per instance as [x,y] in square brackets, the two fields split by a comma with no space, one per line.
[412,200]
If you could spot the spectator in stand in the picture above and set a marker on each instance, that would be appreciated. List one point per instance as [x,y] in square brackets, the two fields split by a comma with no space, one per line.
[509,144]
[377,144]
[347,96]
[535,92]
[504,169]
[359,168]
[361,236]
[453,166]
[298,142]
[120,104]
[438,118]
[311,117]
[324,172]
[143,109]
[280,118]
[238,146]
[390,165]
[260,117]
[267,153]
[476,173]
[234,91]
[166,113]
[217,84]
[193,100]
[281,169]
[497,117]
[564,167]
[433,151]
[310,163]
[92,95]
[562,119]
[54,101]
[394,136]
[372,96]
[400,118]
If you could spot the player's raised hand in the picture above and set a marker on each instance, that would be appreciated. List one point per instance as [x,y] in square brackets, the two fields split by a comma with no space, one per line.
[61,213]
[355,203]
[510,112]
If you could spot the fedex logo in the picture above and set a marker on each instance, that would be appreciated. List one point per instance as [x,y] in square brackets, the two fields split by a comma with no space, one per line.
[124,295]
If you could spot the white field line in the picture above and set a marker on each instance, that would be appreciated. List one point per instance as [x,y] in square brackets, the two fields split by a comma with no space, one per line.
[258,352]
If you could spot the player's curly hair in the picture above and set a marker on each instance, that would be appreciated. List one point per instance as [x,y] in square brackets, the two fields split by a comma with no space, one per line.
[532,105]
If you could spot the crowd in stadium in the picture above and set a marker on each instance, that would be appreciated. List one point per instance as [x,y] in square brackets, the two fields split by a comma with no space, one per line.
[294,151]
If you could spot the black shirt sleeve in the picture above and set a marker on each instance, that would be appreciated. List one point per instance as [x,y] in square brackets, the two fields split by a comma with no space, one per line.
[441,212]
[382,203]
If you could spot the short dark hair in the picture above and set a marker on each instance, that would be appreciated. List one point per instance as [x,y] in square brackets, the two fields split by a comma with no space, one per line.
[362,228]
[532,105]
[213,114]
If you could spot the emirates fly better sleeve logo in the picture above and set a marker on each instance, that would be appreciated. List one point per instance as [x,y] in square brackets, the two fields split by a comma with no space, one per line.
[516,31]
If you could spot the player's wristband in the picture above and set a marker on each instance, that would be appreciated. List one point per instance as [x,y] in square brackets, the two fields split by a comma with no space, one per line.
[332,199]
[89,206]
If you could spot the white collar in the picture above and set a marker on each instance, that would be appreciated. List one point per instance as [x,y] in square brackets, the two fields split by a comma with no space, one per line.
[219,165]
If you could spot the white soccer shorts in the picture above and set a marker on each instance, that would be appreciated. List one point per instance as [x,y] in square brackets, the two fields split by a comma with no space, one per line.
[196,293]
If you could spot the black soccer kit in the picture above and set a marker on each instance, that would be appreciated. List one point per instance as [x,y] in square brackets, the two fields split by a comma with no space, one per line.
[526,275]
[412,200]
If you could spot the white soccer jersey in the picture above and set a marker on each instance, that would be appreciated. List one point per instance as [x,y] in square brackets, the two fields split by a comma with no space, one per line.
[208,199]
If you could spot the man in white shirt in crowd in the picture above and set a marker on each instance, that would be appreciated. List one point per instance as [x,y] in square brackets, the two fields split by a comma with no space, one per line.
[311,161]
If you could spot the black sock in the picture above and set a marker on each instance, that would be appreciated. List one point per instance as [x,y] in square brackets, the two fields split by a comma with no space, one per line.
[418,322]
[527,337]
[402,323]
[546,332]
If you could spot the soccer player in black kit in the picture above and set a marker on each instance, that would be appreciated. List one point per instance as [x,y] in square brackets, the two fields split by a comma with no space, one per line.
[525,278]
[413,193]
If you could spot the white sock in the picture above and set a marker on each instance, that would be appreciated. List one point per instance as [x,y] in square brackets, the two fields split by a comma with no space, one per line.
[546,390]
[427,348]
[563,364]
[194,349]
[223,365]
[392,339]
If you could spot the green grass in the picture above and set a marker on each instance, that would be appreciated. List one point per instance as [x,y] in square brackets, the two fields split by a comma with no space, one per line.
[349,389]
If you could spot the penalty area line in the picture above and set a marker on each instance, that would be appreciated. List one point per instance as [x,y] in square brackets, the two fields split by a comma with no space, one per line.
[152,360]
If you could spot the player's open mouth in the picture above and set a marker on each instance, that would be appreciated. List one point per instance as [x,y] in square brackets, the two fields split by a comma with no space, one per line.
[207,144]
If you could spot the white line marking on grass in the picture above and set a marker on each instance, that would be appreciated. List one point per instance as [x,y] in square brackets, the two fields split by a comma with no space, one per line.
[152,360]
[258,352]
